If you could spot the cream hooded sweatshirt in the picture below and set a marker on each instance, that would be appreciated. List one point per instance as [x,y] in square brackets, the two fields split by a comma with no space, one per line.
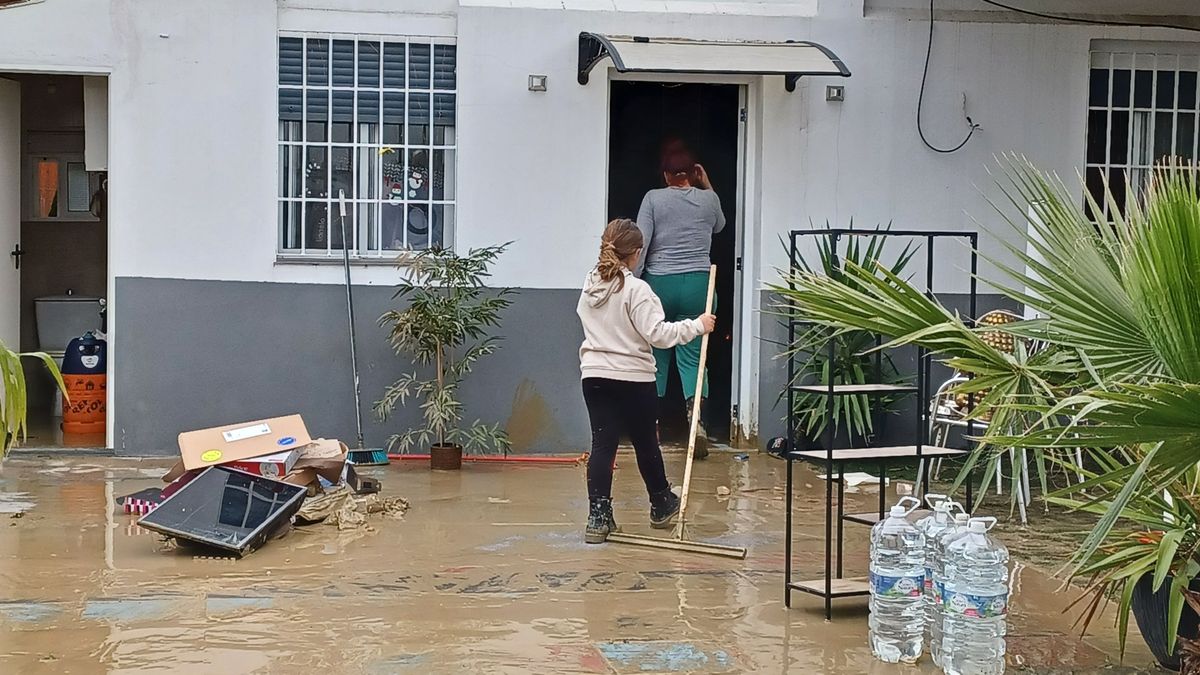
[621,326]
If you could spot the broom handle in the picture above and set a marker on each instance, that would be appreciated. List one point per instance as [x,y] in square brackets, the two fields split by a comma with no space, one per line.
[695,427]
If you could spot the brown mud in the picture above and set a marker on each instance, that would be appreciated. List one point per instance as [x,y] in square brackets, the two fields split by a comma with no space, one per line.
[487,572]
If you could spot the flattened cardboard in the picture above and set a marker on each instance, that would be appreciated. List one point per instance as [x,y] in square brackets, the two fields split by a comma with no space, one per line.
[324,458]
[229,443]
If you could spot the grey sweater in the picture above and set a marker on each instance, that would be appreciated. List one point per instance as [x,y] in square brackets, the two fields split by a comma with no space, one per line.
[677,226]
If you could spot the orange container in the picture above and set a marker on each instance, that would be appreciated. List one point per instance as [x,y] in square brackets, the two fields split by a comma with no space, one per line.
[85,404]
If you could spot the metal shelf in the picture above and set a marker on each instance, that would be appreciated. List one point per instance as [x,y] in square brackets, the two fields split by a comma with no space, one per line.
[854,389]
[838,588]
[891,452]
[873,517]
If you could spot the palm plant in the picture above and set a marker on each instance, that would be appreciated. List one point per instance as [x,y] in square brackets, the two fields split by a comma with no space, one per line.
[444,324]
[14,404]
[1119,315]
[851,363]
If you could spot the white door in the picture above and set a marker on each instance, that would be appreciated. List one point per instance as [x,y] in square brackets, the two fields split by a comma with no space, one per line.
[10,212]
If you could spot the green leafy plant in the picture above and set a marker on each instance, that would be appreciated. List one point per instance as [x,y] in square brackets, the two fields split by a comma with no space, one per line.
[444,326]
[1156,535]
[14,404]
[852,362]
[1119,315]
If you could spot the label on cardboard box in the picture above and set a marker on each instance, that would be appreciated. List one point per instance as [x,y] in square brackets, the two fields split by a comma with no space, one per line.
[246,432]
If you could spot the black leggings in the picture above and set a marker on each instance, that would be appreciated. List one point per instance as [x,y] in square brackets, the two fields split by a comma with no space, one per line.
[615,406]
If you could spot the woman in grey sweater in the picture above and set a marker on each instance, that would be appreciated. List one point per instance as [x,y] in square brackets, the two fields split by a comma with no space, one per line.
[678,223]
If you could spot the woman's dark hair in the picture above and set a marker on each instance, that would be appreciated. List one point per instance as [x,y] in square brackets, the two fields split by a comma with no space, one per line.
[621,239]
[679,163]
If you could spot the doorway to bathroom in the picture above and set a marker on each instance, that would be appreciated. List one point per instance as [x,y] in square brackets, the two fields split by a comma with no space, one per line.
[54,234]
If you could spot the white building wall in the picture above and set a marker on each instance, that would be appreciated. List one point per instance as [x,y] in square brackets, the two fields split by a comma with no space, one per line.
[193,109]
[193,105]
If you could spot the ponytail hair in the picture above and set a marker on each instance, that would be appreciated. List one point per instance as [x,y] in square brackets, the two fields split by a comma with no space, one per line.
[621,239]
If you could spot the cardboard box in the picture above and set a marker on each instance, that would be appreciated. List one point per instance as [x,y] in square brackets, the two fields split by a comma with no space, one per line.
[268,466]
[322,458]
[232,442]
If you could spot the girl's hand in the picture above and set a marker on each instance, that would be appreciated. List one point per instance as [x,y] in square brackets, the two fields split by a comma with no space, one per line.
[709,321]
[702,181]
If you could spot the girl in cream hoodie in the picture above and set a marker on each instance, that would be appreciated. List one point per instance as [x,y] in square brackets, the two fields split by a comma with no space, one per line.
[622,321]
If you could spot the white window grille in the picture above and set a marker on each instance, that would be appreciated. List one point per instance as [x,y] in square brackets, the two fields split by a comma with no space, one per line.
[1142,109]
[373,118]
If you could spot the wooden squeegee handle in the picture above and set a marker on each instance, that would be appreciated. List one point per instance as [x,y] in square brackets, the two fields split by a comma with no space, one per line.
[695,426]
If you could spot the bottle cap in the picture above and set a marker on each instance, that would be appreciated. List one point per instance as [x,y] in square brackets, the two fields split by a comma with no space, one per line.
[935,501]
[898,511]
[961,519]
[981,525]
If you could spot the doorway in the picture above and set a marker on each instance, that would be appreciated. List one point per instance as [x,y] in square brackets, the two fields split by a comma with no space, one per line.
[644,116]
[54,233]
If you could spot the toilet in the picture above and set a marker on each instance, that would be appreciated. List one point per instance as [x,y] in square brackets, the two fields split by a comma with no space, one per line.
[60,319]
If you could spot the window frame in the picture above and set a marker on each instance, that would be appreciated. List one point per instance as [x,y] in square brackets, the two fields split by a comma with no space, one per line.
[291,199]
[1133,172]
[65,215]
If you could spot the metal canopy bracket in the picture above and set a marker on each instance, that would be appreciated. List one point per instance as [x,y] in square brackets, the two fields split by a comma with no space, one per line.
[792,59]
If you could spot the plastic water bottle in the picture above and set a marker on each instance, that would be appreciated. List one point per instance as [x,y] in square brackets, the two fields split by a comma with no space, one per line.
[975,602]
[933,527]
[957,528]
[897,618]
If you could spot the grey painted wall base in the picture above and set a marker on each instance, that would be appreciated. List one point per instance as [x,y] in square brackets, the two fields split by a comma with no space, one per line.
[194,354]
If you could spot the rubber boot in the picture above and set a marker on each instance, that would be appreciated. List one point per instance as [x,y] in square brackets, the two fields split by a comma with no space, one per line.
[600,521]
[664,506]
[701,433]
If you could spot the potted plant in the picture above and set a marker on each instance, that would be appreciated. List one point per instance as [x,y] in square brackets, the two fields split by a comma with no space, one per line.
[443,328]
[1148,560]
[13,394]
[855,418]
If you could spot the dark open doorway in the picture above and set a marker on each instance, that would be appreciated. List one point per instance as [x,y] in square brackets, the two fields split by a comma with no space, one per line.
[644,115]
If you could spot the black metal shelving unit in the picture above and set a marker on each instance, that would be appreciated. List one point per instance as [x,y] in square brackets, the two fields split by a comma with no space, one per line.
[834,584]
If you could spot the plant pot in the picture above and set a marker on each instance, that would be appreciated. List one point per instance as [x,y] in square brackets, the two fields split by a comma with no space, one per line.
[445,457]
[1150,612]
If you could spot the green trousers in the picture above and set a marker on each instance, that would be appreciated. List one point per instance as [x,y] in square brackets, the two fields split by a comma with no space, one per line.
[682,297]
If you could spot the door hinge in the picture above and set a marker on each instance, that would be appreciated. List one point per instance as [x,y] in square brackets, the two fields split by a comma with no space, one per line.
[734,411]
[742,115]
[738,263]
[16,254]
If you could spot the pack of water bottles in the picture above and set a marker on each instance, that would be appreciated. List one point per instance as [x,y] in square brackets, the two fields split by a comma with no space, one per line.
[941,581]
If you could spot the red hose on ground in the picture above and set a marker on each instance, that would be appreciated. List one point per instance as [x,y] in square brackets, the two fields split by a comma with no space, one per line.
[516,459]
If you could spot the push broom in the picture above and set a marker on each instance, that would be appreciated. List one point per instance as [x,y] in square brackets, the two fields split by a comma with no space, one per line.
[360,455]
[677,542]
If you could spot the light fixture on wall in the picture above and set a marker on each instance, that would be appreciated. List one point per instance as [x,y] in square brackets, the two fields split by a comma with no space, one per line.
[538,82]
[835,92]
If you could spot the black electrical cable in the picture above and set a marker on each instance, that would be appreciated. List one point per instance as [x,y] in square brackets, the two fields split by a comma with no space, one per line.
[921,99]
[1093,22]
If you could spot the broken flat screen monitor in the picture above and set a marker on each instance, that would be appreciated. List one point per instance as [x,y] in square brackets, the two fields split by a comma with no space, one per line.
[226,509]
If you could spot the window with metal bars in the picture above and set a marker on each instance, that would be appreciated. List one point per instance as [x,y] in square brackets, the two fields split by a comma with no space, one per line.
[373,120]
[1142,110]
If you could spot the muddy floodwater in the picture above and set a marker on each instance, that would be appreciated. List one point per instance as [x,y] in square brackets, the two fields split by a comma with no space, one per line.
[487,573]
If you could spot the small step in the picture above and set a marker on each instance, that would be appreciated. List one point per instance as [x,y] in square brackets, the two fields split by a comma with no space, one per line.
[873,517]
[854,389]
[838,588]
[867,454]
